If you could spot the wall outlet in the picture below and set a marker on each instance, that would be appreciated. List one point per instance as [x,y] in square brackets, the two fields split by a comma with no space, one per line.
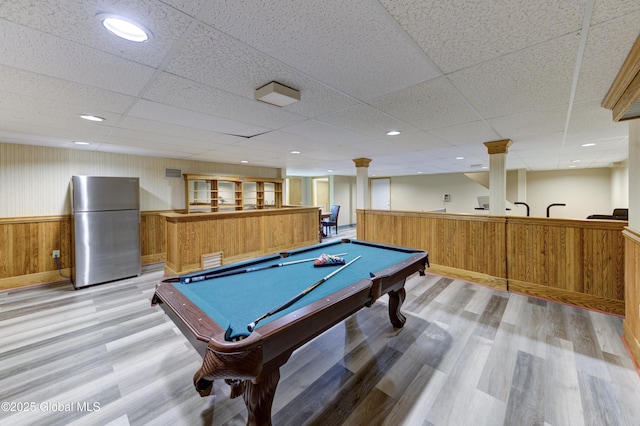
[446,197]
[55,254]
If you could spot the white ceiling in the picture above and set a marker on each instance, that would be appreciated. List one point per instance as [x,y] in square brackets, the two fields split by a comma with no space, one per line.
[449,75]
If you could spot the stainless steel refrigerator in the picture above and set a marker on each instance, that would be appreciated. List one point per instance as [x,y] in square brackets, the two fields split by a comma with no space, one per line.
[106,222]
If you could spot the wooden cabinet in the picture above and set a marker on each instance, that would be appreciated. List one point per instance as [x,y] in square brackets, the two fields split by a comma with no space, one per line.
[209,193]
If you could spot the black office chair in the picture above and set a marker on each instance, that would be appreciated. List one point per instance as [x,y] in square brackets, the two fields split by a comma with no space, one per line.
[332,220]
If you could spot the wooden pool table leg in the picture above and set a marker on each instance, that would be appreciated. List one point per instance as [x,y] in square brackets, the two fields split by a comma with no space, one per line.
[258,397]
[396,298]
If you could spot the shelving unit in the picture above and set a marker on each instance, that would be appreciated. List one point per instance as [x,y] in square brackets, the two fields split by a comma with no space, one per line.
[209,193]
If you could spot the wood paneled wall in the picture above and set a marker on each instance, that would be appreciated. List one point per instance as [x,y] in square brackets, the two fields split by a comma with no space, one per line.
[580,262]
[574,261]
[632,293]
[460,246]
[238,235]
[26,245]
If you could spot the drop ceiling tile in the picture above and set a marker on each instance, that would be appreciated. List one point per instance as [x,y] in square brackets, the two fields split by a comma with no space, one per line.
[25,111]
[190,7]
[164,143]
[214,59]
[590,115]
[41,53]
[145,137]
[431,104]
[528,80]
[474,133]
[143,151]
[356,47]
[607,47]
[462,33]
[320,132]
[605,10]
[366,120]
[182,93]
[166,113]
[515,126]
[595,135]
[75,21]
[415,141]
[187,133]
[40,87]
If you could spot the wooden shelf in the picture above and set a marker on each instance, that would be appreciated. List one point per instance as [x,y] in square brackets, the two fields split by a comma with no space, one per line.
[210,193]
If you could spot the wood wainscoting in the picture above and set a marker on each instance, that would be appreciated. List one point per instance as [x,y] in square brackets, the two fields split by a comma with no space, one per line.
[580,262]
[26,244]
[466,247]
[631,324]
[238,235]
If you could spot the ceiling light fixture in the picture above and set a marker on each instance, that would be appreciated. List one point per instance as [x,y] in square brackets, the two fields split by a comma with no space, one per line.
[81,143]
[276,94]
[91,117]
[576,161]
[393,133]
[295,152]
[459,158]
[244,161]
[124,28]
[588,144]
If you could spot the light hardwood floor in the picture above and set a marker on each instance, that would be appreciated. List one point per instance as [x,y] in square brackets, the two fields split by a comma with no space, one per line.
[468,355]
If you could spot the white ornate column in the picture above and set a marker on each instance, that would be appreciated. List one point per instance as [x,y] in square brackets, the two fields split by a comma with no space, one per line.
[498,176]
[362,183]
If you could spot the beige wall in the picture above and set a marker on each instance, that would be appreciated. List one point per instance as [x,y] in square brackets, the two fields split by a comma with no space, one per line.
[584,191]
[344,194]
[424,193]
[34,180]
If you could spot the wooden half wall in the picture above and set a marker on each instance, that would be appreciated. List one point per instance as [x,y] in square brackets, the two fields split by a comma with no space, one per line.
[580,262]
[26,244]
[631,324]
[237,235]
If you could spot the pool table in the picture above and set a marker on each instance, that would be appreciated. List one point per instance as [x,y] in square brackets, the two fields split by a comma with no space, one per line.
[214,309]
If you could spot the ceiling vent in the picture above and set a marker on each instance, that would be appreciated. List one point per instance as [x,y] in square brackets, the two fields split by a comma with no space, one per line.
[170,173]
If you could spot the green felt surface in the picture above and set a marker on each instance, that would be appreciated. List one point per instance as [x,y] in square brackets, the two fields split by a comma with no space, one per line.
[235,301]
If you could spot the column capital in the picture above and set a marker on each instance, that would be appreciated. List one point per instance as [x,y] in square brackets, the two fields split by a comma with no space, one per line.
[362,162]
[498,147]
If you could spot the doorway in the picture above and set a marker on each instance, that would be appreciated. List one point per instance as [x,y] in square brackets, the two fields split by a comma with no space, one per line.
[381,193]
[321,193]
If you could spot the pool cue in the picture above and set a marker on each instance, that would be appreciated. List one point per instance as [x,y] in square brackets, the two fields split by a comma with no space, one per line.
[294,299]
[205,276]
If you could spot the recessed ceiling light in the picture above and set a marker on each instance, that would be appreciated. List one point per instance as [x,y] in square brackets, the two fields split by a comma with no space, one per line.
[124,28]
[588,144]
[393,133]
[244,161]
[459,158]
[81,143]
[91,117]
[329,171]
[295,152]
[576,161]
[419,173]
